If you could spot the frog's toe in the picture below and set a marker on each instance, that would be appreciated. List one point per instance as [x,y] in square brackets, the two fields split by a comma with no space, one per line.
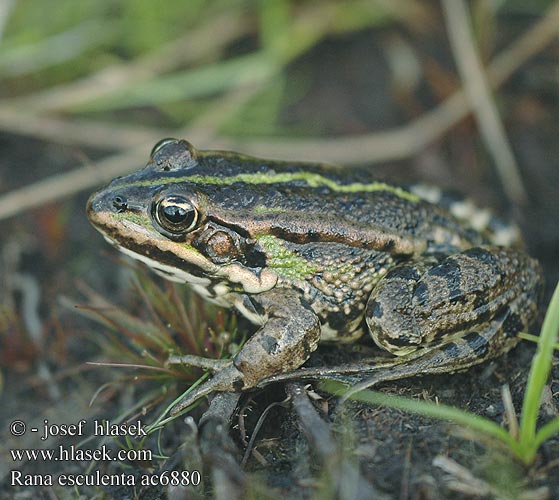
[214,365]
[227,379]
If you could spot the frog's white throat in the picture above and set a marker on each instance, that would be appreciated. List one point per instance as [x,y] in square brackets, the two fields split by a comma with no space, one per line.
[169,272]
[216,293]
[216,290]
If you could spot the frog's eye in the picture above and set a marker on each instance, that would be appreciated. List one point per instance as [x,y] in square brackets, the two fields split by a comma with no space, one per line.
[161,144]
[176,215]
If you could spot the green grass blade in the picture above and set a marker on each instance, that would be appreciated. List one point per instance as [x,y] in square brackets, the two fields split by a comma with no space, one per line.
[274,22]
[427,409]
[56,49]
[190,84]
[161,420]
[535,338]
[546,432]
[539,372]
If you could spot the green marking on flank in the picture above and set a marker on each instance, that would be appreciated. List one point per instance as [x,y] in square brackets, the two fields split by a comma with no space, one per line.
[283,261]
[263,210]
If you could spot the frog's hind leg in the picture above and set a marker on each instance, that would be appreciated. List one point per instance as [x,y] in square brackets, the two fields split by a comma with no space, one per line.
[474,347]
[432,303]
[447,316]
[471,348]
[213,365]
[457,354]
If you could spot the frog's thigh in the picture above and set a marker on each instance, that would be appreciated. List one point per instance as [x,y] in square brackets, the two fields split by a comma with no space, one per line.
[470,304]
[290,334]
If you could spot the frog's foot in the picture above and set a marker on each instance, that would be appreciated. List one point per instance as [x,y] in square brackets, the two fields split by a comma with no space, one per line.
[226,379]
[214,365]
[283,343]
[349,373]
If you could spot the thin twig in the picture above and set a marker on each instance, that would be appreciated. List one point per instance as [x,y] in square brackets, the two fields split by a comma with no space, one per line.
[462,479]
[479,94]
[510,411]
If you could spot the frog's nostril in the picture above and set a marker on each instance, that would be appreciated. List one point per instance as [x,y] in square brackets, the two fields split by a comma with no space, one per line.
[120,203]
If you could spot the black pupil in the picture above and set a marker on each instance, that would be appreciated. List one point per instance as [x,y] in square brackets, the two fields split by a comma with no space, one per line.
[177,214]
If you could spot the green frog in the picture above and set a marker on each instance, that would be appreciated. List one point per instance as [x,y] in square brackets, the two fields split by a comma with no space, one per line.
[317,253]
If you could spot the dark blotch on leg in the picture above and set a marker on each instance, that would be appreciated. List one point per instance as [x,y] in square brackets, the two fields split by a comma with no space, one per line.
[457,296]
[451,350]
[421,294]
[483,256]
[477,343]
[238,385]
[450,270]
[401,341]
[407,273]
[269,344]
[374,309]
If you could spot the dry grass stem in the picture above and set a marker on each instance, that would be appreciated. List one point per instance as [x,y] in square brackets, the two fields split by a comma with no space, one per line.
[461,479]
[510,411]
[60,186]
[77,132]
[478,92]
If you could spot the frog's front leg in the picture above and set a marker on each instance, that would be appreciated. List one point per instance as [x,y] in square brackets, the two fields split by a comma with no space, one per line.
[290,333]
[446,315]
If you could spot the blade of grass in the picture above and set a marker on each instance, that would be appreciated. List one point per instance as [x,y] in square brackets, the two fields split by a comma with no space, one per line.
[160,421]
[535,338]
[539,372]
[59,48]
[477,89]
[197,46]
[274,21]
[190,84]
[455,415]
[545,432]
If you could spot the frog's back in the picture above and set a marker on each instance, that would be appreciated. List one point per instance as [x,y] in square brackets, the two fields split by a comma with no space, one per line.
[237,184]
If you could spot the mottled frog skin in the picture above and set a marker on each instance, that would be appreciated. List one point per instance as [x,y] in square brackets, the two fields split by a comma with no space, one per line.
[318,253]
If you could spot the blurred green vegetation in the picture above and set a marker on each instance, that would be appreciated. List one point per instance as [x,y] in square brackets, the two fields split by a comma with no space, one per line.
[187,55]
[49,44]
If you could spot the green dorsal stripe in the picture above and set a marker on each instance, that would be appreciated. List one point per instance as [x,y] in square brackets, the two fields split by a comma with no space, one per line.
[313,180]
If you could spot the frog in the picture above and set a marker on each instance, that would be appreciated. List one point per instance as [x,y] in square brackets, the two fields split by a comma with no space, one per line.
[316,253]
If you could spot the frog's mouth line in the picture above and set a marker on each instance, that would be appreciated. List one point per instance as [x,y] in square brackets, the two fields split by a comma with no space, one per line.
[177,261]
